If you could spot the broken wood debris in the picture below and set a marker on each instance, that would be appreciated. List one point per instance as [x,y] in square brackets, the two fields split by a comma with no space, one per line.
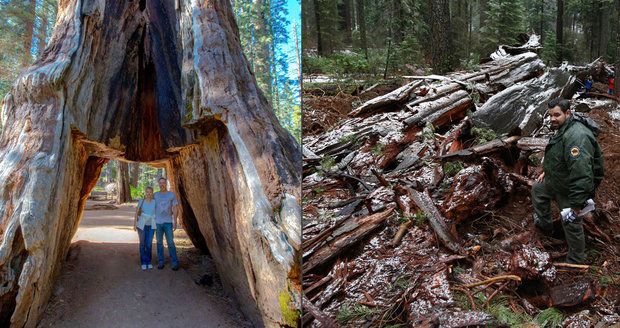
[414,180]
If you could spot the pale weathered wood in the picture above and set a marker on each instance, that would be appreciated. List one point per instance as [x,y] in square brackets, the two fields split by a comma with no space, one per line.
[153,81]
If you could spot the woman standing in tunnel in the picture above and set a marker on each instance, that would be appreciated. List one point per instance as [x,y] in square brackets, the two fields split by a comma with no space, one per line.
[144,223]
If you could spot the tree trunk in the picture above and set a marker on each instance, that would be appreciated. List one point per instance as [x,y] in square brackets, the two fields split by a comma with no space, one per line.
[483,12]
[397,24]
[123,194]
[347,21]
[541,31]
[440,36]
[143,81]
[319,36]
[135,174]
[559,31]
[29,26]
[361,22]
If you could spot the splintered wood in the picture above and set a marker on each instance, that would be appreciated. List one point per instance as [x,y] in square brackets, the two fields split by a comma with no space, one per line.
[401,199]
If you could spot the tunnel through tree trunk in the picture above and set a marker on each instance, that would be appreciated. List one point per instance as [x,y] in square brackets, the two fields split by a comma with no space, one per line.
[152,82]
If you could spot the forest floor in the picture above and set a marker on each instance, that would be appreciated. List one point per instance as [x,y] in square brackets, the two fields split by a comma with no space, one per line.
[396,270]
[102,285]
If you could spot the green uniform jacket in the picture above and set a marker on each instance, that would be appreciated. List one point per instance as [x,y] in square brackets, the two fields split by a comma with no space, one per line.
[573,162]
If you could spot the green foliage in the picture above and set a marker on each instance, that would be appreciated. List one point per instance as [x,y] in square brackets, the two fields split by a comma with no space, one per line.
[418,218]
[533,160]
[338,64]
[609,280]
[136,193]
[327,163]
[549,50]
[452,168]
[377,149]
[357,311]
[428,132]
[483,135]
[401,282]
[550,317]
[505,315]
[505,22]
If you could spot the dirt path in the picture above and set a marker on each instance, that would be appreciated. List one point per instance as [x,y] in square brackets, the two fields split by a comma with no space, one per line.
[102,284]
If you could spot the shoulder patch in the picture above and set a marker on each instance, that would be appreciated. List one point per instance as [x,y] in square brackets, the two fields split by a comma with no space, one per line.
[575,151]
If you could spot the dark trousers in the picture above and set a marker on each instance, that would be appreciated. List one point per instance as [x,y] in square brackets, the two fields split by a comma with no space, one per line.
[542,196]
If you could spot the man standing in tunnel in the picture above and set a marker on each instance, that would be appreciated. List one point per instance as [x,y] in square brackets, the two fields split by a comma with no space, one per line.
[572,169]
[166,215]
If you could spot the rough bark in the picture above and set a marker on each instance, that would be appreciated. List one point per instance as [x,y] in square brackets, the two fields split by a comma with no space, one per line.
[440,36]
[123,194]
[319,36]
[134,174]
[152,82]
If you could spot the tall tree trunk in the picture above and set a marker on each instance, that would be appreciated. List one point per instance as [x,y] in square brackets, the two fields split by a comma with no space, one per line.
[29,27]
[162,85]
[135,174]
[361,22]
[483,12]
[319,35]
[397,21]
[440,36]
[348,21]
[122,184]
[542,19]
[559,31]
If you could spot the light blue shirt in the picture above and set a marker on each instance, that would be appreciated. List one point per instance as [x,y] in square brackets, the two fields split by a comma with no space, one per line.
[147,214]
[163,206]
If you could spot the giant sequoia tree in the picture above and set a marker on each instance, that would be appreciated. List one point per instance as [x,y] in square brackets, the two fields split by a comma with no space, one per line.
[155,81]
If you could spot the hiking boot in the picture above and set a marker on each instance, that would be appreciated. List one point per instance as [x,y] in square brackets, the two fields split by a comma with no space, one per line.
[143,267]
[540,228]
[175,267]
[150,266]
[160,266]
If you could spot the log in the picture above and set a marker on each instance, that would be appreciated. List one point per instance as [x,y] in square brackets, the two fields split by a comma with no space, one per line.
[335,246]
[437,222]
[532,144]
[318,315]
[145,81]
[391,100]
[484,149]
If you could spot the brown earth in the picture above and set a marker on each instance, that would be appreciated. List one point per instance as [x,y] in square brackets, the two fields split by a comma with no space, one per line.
[102,285]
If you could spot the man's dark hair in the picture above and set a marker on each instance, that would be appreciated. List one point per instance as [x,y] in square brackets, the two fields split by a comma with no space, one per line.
[162,178]
[563,103]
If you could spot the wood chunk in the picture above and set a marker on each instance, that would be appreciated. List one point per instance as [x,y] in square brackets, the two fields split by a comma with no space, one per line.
[335,246]
[436,220]
[571,294]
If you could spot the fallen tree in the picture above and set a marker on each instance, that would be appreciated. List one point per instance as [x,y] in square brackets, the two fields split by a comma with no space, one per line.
[445,153]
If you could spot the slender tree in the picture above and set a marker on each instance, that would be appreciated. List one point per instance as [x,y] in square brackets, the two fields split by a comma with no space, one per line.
[361,22]
[559,31]
[122,184]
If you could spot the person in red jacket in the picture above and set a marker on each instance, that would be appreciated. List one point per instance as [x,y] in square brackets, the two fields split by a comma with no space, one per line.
[612,85]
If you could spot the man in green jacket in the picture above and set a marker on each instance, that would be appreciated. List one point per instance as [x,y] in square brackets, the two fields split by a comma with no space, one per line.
[572,169]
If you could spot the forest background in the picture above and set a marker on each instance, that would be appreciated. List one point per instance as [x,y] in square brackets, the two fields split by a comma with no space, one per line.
[374,39]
